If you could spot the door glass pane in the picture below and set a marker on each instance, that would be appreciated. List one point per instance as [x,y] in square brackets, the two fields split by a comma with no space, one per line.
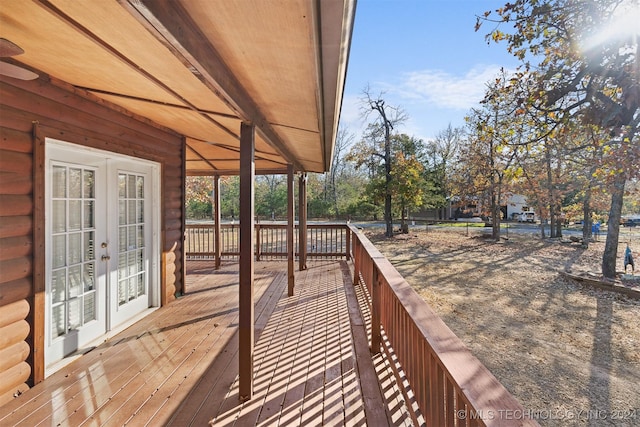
[59,216]
[58,320]
[133,286]
[122,239]
[141,288]
[131,187]
[89,246]
[74,255]
[122,291]
[75,319]
[88,183]
[122,186]
[89,307]
[75,183]
[140,260]
[140,187]
[75,284]
[140,217]
[122,212]
[59,182]
[131,212]
[75,215]
[140,242]
[88,277]
[89,210]
[59,251]
[133,265]
[122,266]
[58,285]
[132,230]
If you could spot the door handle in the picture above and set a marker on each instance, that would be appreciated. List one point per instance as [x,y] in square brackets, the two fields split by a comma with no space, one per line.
[105,258]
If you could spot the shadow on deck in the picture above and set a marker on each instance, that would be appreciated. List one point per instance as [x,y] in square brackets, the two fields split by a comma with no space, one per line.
[179,365]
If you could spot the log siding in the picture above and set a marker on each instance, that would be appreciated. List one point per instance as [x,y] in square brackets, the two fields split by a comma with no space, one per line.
[31,111]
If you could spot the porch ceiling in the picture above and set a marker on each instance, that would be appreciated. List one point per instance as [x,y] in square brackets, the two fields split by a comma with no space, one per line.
[201,67]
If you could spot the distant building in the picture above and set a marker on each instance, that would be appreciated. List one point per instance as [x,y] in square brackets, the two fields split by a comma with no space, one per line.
[517,209]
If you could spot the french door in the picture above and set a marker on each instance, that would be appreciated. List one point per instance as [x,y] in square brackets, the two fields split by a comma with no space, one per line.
[102,250]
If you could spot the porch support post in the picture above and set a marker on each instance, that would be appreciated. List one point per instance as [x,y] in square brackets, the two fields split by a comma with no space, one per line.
[290,227]
[37,314]
[246,307]
[216,221]
[302,221]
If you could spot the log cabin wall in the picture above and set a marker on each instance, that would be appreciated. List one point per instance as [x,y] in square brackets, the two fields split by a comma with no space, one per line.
[30,112]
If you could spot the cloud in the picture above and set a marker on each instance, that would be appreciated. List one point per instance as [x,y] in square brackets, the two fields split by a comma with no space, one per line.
[350,112]
[445,90]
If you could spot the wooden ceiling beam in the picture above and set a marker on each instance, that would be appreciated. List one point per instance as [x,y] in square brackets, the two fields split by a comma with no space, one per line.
[259,155]
[107,47]
[202,158]
[234,172]
[172,25]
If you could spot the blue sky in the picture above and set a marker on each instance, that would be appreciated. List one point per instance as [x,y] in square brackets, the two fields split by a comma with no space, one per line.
[425,57]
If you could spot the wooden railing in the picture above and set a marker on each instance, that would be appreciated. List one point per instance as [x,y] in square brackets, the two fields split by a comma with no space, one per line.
[444,384]
[323,241]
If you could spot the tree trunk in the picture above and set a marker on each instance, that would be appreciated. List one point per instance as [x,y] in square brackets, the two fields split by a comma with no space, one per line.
[387,211]
[495,215]
[552,202]
[613,229]
[387,188]
[559,221]
[586,215]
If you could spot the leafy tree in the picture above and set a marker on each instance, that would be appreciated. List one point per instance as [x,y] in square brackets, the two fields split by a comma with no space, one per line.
[588,70]
[405,184]
[198,196]
[271,196]
[230,197]
[486,160]
[408,185]
[441,154]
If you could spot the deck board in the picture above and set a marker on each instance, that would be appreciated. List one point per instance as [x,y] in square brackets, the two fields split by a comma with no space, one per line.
[179,365]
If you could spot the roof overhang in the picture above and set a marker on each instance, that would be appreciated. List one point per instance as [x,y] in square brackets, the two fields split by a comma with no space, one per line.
[201,67]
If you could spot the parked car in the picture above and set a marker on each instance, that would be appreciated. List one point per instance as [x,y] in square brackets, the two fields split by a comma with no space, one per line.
[527,217]
[631,222]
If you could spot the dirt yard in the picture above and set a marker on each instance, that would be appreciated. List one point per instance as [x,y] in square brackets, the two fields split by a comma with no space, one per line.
[569,353]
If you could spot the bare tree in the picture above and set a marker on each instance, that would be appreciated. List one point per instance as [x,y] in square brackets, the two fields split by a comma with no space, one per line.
[387,117]
[343,140]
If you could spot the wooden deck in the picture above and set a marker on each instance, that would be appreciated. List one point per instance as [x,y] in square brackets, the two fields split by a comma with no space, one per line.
[179,365]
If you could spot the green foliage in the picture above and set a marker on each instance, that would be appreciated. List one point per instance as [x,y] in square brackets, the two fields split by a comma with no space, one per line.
[230,197]
[198,197]
[271,196]
[364,210]
[197,209]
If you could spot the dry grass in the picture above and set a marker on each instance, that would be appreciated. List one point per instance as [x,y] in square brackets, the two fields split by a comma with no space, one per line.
[562,349]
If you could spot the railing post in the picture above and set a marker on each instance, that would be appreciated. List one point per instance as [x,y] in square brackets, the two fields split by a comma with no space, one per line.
[347,248]
[258,242]
[290,228]
[302,221]
[357,257]
[376,336]
[217,218]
